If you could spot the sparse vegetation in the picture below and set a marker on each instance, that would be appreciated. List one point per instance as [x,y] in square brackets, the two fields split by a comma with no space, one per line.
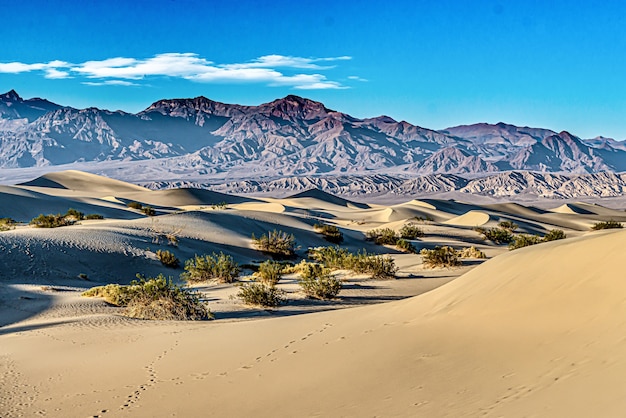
[508,225]
[94,216]
[168,259]
[276,242]
[440,257]
[554,234]
[50,221]
[316,282]
[7,224]
[261,294]
[148,210]
[382,236]
[496,235]
[524,240]
[153,298]
[219,206]
[410,231]
[220,267]
[377,266]
[330,232]
[134,205]
[270,272]
[471,252]
[405,246]
[74,215]
[611,224]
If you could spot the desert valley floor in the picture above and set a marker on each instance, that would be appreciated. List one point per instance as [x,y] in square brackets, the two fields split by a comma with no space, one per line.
[538,331]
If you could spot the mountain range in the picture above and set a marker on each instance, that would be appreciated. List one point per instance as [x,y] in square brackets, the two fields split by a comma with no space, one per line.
[291,136]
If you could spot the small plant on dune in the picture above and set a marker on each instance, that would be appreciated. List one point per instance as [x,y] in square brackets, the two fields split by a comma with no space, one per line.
[440,257]
[410,231]
[330,232]
[554,234]
[508,225]
[134,205]
[405,246]
[261,294]
[220,266]
[50,221]
[270,272]
[153,298]
[74,215]
[382,236]
[276,242]
[316,282]
[219,206]
[611,224]
[148,210]
[496,235]
[471,252]
[168,259]
[524,240]
[94,216]
[7,224]
[377,266]
[331,257]
[423,219]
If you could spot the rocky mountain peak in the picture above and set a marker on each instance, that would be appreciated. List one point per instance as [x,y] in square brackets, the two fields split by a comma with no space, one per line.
[11,96]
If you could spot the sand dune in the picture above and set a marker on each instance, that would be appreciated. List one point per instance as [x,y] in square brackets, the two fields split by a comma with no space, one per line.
[533,332]
[82,181]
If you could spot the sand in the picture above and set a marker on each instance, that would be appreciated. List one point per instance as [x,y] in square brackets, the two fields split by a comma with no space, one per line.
[532,332]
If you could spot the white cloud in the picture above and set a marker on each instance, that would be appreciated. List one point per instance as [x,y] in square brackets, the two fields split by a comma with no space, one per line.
[356,78]
[272,70]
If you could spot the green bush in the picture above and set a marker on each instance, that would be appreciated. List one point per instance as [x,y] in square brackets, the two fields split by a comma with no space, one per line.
[94,216]
[440,257]
[377,266]
[216,266]
[405,246]
[50,221]
[524,240]
[7,224]
[471,252]
[496,235]
[382,236]
[330,232]
[508,225]
[154,298]
[316,282]
[554,234]
[134,205]
[75,215]
[270,272]
[606,225]
[168,259]
[331,257]
[219,206]
[276,242]
[261,294]
[410,231]
[148,210]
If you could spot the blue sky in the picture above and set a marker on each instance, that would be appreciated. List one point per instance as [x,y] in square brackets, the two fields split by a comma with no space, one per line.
[553,64]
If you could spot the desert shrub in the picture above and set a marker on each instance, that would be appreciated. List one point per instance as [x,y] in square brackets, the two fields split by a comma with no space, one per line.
[377,266]
[207,267]
[94,216]
[134,205]
[508,225]
[606,225]
[148,210]
[316,282]
[331,257]
[261,294]
[471,252]
[168,259]
[496,235]
[330,232]
[276,242]
[114,294]
[50,221]
[524,240]
[440,257]
[75,215]
[382,236]
[270,272]
[411,231]
[219,206]
[7,224]
[554,234]
[405,246]
[423,219]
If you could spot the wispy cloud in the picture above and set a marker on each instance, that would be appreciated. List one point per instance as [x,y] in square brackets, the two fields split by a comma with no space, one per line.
[273,70]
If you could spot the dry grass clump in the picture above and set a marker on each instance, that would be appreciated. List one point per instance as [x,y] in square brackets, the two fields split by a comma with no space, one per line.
[134,205]
[405,246]
[270,272]
[94,216]
[6,224]
[554,234]
[411,231]
[276,242]
[330,232]
[54,221]
[168,259]
[440,257]
[153,298]
[261,294]
[524,240]
[316,282]
[382,236]
[220,266]
[496,235]
[471,252]
[508,225]
[606,225]
[148,210]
